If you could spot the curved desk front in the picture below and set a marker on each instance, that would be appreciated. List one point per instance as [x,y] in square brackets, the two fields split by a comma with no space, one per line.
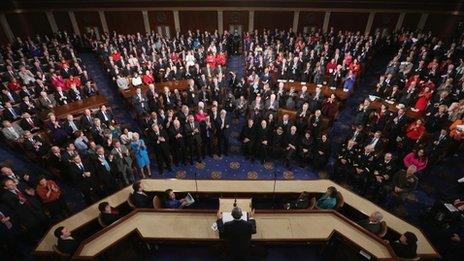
[424,249]
[196,226]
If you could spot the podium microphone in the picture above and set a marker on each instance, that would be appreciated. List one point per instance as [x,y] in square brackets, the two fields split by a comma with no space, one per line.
[235,203]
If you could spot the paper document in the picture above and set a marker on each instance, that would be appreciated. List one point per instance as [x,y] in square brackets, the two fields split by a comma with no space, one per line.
[450,207]
[190,200]
[227,216]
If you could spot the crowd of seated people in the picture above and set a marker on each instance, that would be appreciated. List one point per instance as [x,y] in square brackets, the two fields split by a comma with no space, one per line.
[183,125]
[88,150]
[389,148]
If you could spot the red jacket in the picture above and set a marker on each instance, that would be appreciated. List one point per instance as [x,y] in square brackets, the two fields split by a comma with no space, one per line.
[414,132]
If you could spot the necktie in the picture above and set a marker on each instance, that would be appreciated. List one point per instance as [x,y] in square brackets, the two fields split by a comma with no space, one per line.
[105,163]
[15,134]
[81,166]
[15,115]
[30,122]
[21,197]
[11,97]
[73,126]
[105,118]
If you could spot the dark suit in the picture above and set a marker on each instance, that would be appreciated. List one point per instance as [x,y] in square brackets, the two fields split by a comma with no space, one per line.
[193,140]
[161,149]
[30,213]
[141,200]
[108,218]
[237,236]
[86,122]
[68,246]
[87,185]
[223,135]
[11,114]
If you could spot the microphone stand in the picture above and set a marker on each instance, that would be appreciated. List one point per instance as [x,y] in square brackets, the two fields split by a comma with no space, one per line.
[196,186]
[273,190]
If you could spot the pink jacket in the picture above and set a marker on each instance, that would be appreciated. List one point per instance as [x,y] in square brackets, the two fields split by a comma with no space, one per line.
[411,159]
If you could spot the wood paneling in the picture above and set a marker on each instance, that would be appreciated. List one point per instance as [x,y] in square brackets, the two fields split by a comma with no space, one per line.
[385,20]
[88,19]
[411,20]
[28,24]
[161,18]
[400,5]
[442,25]
[63,22]
[125,22]
[203,20]
[310,19]
[273,20]
[348,21]
[235,17]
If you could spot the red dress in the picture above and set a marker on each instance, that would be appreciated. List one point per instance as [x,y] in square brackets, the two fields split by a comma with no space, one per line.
[422,102]
[221,59]
[211,60]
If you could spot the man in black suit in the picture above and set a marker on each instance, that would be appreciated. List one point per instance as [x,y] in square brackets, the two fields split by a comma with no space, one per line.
[176,138]
[159,139]
[86,121]
[247,137]
[139,198]
[237,234]
[83,179]
[10,113]
[104,115]
[192,131]
[103,171]
[27,208]
[29,123]
[66,243]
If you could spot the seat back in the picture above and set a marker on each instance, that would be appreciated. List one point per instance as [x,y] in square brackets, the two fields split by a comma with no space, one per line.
[312,203]
[340,200]
[383,229]
[157,203]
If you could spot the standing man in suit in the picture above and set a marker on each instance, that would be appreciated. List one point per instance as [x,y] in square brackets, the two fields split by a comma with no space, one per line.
[159,139]
[140,103]
[86,121]
[26,206]
[192,131]
[104,115]
[237,234]
[122,162]
[84,179]
[103,171]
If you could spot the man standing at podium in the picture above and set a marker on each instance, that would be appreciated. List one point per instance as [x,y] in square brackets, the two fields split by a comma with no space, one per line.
[236,234]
